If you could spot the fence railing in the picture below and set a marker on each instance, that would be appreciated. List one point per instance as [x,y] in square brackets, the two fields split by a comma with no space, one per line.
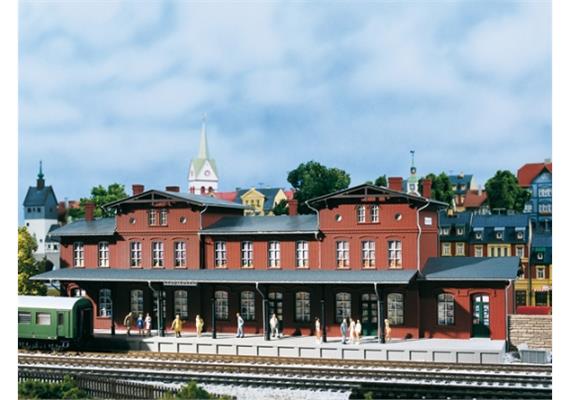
[100,387]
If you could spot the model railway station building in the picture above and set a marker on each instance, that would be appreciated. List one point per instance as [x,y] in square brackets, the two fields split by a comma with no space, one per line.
[367,252]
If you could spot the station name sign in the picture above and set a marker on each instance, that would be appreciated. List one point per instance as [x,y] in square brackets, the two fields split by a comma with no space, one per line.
[180,283]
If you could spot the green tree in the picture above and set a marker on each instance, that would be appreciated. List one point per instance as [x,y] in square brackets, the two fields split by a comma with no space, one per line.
[441,188]
[503,191]
[381,181]
[28,266]
[67,389]
[99,196]
[192,391]
[281,208]
[312,179]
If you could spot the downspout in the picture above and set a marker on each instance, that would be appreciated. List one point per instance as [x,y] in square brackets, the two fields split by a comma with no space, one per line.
[380,310]
[159,308]
[419,233]
[318,229]
[202,255]
[264,309]
[507,314]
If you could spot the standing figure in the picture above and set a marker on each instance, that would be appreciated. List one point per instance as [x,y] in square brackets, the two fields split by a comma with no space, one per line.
[128,321]
[239,326]
[343,330]
[177,325]
[147,324]
[318,333]
[387,330]
[358,331]
[352,331]
[140,324]
[199,325]
[274,324]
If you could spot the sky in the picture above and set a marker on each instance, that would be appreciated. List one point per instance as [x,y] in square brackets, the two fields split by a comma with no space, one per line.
[115,91]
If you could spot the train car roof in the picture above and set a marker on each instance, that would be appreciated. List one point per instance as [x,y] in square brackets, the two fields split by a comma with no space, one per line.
[58,303]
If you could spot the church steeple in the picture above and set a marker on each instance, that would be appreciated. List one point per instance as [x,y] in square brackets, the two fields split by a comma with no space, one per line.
[203,174]
[412,183]
[40,183]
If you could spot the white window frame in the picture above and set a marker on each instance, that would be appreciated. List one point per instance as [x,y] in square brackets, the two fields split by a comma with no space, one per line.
[302,307]
[222,305]
[136,254]
[343,306]
[163,217]
[460,231]
[342,254]
[157,254]
[540,256]
[446,249]
[180,254]
[375,213]
[274,252]
[103,250]
[361,214]
[444,231]
[519,251]
[478,235]
[368,254]
[460,249]
[105,302]
[302,253]
[499,235]
[220,254]
[247,254]
[540,272]
[137,302]
[247,305]
[395,308]
[478,251]
[445,309]
[78,254]
[152,217]
[43,318]
[181,303]
[394,253]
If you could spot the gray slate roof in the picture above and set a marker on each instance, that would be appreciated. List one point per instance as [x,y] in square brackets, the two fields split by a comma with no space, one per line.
[189,197]
[97,227]
[459,220]
[457,180]
[541,243]
[488,224]
[264,224]
[39,197]
[229,276]
[471,268]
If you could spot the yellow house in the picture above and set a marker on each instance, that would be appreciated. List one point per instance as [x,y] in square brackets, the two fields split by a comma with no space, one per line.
[535,288]
[262,200]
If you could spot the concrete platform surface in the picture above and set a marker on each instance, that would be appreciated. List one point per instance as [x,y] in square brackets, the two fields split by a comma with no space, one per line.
[475,350]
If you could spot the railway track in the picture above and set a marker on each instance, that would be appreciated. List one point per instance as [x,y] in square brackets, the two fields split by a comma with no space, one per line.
[411,379]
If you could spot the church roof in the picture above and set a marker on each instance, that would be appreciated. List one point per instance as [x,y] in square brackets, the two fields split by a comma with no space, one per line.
[203,154]
[39,197]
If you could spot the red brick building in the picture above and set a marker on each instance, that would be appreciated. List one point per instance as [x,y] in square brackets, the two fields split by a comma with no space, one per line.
[366,252]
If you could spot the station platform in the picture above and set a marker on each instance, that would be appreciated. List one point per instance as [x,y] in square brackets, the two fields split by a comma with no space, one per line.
[475,350]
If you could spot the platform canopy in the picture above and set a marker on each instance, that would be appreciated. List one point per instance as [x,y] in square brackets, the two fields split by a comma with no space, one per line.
[471,269]
[181,277]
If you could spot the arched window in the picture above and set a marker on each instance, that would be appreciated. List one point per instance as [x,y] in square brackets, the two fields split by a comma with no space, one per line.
[343,302]
[105,303]
[445,309]
[302,306]
[181,303]
[247,305]
[396,308]
[221,297]
[275,304]
[137,302]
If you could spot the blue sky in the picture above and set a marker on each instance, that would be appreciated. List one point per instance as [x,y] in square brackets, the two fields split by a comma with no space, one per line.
[115,91]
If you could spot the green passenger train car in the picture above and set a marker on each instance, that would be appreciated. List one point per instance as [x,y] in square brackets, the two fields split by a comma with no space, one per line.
[46,321]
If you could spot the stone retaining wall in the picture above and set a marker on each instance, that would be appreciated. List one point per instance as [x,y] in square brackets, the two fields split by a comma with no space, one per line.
[534,330]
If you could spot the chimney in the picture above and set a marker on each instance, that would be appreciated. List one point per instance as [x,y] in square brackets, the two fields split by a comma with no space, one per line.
[293,206]
[395,183]
[426,188]
[175,189]
[137,189]
[89,210]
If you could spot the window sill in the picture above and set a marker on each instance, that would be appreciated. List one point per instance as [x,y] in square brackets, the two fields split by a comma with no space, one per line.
[181,267]
[274,267]
[247,267]
[220,267]
[343,268]
[304,267]
[369,267]
[136,267]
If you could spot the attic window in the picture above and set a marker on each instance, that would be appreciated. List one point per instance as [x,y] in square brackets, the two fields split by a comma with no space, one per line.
[539,256]
[478,235]
[445,231]
[520,235]
[499,235]
[460,231]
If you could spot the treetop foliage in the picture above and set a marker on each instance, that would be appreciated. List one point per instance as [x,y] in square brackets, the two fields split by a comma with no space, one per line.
[28,266]
[100,196]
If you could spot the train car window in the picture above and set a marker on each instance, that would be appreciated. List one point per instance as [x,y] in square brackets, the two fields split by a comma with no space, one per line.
[24,318]
[43,319]
[60,318]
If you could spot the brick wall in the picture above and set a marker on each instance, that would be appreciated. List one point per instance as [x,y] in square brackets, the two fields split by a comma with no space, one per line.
[534,330]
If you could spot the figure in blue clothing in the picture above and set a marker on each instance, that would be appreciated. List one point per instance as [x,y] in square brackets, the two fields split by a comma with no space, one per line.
[343,330]
[239,326]
[140,324]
